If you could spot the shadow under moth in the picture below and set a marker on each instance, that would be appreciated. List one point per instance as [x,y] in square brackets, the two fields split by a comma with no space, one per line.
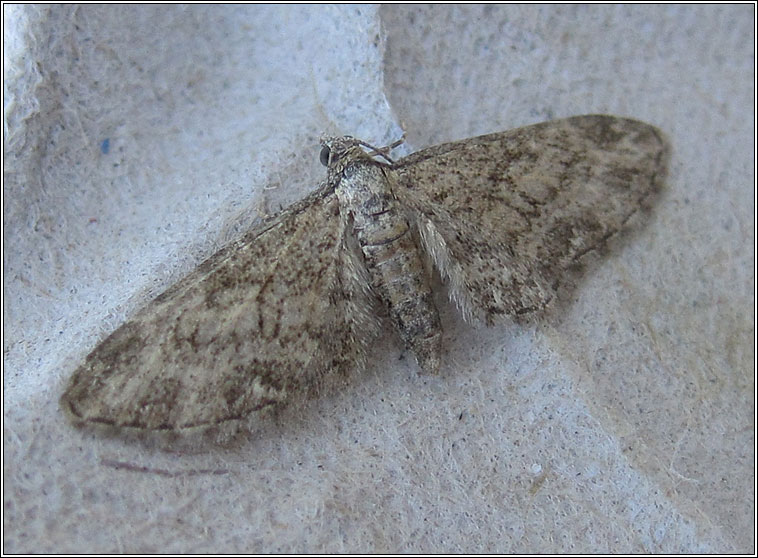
[500,216]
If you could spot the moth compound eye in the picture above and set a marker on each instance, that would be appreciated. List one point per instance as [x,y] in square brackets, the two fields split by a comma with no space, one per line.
[324,156]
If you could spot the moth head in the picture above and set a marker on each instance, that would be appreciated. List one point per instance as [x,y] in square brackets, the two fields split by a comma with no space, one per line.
[337,149]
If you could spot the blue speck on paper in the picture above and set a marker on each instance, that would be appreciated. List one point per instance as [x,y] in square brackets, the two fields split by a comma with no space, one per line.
[105,146]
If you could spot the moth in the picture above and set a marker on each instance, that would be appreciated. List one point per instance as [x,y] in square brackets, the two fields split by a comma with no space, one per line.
[501,217]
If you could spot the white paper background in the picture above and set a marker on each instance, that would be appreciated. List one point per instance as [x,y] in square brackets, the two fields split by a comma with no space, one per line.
[623,424]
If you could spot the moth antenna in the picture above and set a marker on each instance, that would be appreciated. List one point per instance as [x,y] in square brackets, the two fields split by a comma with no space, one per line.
[383,151]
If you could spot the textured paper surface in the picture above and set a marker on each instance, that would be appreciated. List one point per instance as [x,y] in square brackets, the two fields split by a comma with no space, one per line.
[142,138]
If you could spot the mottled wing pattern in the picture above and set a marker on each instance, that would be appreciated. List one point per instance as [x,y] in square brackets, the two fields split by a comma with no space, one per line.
[503,215]
[263,318]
